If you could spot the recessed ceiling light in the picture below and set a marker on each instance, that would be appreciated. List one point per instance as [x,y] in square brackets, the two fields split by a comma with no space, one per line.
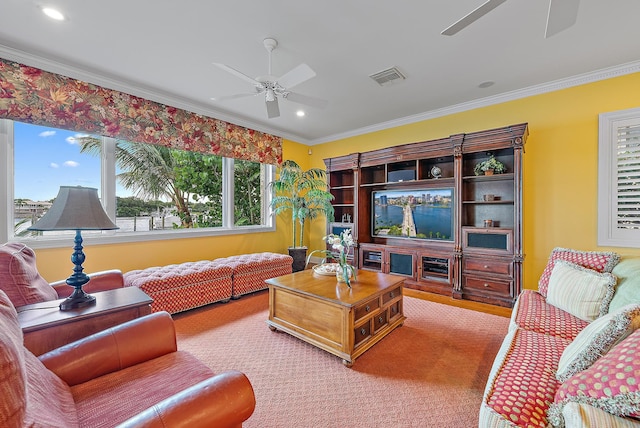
[53,13]
[486,84]
[300,113]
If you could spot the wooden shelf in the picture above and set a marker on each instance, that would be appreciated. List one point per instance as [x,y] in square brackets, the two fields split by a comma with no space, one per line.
[443,181]
[499,202]
[496,177]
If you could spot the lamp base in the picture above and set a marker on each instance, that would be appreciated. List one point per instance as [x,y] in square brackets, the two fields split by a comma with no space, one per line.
[79,299]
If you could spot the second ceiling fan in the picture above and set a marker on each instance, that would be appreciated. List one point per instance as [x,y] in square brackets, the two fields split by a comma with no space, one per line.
[562,15]
[275,87]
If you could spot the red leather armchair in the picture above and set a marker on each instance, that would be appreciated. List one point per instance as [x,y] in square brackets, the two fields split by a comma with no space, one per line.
[131,375]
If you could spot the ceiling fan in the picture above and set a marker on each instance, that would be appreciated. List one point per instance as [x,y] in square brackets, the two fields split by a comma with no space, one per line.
[275,87]
[562,15]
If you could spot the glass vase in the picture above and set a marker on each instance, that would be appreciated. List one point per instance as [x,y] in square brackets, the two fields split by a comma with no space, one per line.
[340,275]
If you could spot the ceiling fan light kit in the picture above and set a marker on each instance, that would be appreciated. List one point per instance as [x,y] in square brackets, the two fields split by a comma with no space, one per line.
[273,87]
[562,15]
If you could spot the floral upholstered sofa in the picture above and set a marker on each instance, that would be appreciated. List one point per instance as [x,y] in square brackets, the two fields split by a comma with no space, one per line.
[571,357]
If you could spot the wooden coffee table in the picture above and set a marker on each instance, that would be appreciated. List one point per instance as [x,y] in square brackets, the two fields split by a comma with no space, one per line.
[327,314]
[46,327]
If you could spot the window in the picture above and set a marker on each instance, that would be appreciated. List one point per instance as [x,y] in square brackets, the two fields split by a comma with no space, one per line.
[151,191]
[619,179]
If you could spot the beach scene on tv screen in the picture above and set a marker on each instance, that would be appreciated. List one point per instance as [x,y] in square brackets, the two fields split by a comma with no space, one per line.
[420,214]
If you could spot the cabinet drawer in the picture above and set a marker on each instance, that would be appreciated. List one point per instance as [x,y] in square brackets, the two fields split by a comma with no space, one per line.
[394,310]
[361,333]
[390,295]
[500,267]
[366,309]
[380,321]
[487,284]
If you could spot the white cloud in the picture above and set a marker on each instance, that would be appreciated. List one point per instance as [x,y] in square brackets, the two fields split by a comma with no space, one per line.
[74,139]
[71,164]
[46,134]
[54,165]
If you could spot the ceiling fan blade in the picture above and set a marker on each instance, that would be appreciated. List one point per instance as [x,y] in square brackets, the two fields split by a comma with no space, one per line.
[237,73]
[562,15]
[305,99]
[272,108]
[476,14]
[231,97]
[296,76]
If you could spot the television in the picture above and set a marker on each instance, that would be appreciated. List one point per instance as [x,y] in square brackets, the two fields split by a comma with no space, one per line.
[413,213]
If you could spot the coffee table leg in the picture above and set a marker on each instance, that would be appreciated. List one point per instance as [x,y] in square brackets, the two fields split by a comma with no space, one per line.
[272,328]
[348,364]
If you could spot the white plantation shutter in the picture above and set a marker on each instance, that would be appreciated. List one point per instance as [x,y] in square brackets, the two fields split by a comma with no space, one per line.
[619,179]
[628,179]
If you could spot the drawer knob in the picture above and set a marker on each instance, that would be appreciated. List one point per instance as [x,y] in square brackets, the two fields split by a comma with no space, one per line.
[363,331]
[380,320]
[486,266]
[367,308]
[392,294]
[486,284]
[393,309]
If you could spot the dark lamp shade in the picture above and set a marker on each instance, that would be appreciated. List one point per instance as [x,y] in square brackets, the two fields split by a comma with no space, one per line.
[75,208]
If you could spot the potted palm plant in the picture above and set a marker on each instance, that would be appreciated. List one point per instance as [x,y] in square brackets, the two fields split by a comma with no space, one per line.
[303,196]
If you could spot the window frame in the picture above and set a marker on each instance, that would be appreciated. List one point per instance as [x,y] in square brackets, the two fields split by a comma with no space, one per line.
[608,232]
[108,198]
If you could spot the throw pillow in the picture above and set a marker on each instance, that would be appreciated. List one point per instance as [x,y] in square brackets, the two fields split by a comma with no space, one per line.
[50,401]
[582,292]
[19,276]
[612,383]
[597,339]
[628,288]
[596,260]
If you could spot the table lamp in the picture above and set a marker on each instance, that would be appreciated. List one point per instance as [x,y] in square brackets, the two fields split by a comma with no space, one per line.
[76,208]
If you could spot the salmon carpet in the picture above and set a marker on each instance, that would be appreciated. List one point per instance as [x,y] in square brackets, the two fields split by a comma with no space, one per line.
[430,372]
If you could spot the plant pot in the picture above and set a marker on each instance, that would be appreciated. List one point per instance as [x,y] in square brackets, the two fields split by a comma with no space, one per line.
[488,172]
[299,255]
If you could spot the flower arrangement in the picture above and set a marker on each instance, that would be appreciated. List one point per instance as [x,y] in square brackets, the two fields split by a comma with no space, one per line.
[340,245]
[492,164]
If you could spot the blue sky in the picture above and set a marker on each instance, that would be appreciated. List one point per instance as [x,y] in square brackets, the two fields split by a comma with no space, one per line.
[46,158]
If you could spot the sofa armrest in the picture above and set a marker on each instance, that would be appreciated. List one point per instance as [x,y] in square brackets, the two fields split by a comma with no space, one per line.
[114,349]
[99,281]
[225,400]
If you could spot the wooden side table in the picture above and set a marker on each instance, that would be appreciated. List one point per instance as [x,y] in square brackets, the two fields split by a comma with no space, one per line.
[46,327]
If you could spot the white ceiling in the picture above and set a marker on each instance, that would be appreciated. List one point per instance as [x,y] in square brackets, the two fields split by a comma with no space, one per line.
[164,50]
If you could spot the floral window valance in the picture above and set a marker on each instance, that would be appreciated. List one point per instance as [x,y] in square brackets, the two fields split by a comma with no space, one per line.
[31,95]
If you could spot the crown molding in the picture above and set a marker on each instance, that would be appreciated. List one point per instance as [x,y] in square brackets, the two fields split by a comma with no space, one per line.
[140,90]
[581,79]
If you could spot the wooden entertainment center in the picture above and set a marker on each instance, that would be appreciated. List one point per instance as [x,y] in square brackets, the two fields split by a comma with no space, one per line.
[479,255]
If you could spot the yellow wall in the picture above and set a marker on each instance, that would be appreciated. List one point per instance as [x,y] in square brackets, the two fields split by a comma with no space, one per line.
[560,181]
[560,161]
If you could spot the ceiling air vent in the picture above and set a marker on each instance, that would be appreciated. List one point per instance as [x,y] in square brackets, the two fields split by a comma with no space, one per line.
[388,76]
